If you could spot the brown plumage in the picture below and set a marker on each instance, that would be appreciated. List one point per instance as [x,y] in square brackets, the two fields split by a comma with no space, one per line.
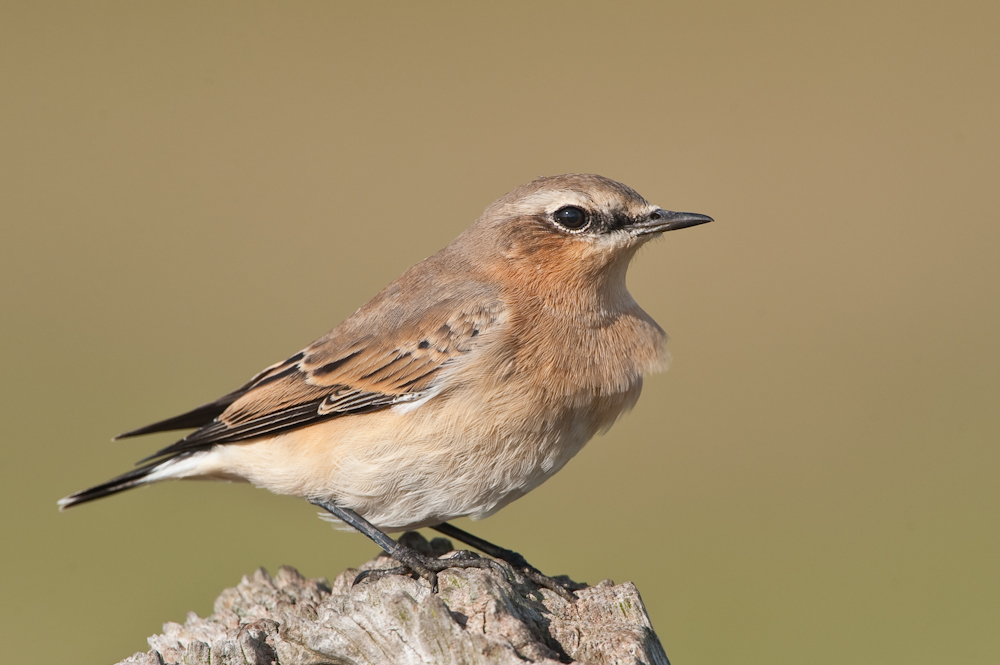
[462,385]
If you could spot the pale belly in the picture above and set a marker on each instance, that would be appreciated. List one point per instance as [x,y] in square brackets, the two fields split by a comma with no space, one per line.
[404,470]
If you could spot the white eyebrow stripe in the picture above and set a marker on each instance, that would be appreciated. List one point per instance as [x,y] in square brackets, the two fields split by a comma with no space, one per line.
[550,201]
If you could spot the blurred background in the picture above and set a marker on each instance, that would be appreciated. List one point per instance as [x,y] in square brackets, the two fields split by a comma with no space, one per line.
[191,191]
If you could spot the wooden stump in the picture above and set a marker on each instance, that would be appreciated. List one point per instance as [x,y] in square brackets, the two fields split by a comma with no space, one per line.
[479,616]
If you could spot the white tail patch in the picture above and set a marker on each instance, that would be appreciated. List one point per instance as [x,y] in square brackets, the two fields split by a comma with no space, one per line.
[179,467]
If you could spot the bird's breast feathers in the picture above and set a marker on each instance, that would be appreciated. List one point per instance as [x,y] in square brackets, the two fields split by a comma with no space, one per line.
[476,438]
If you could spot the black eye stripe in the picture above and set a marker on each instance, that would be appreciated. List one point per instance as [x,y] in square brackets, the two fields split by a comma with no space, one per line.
[571,217]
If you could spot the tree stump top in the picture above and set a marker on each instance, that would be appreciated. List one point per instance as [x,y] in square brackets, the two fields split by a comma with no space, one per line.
[479,616]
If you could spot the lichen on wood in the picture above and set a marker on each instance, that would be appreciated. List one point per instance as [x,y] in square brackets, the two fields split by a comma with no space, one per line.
[479,616]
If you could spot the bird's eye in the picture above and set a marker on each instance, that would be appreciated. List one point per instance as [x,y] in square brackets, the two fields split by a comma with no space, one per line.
[571,217]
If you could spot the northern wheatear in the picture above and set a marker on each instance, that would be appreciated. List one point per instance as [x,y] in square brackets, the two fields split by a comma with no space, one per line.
[462,386]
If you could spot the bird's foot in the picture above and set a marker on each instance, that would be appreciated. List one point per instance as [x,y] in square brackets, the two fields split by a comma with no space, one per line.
[518,563]
[426,567]
[551,583]
[564,587]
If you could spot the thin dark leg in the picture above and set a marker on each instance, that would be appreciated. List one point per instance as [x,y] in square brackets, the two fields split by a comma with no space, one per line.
[351,518]
[425,567]
[511,557]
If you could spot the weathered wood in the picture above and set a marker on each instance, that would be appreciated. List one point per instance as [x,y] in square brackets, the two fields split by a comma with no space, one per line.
[479,616]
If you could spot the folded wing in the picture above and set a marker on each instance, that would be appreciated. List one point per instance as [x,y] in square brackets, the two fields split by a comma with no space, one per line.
[344,373]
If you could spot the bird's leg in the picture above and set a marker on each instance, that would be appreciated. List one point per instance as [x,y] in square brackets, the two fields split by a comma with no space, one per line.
[511,557]
[413,562]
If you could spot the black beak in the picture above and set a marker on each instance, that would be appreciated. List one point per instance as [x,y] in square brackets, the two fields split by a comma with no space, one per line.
[666,220]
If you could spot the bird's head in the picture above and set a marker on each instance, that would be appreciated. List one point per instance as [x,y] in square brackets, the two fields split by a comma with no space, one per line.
[574,230]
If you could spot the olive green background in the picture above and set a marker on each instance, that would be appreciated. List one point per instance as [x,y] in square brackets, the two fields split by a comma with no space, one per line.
[191,191]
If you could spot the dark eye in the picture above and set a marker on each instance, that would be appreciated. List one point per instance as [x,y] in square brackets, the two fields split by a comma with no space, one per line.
[571,217]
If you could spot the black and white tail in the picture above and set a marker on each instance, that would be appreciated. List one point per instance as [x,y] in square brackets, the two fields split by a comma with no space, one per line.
[175,467]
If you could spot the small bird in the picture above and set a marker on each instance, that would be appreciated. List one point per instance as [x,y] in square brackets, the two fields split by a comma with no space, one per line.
[463,385]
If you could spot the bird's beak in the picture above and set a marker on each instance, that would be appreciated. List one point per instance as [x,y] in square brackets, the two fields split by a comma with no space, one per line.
[661,220]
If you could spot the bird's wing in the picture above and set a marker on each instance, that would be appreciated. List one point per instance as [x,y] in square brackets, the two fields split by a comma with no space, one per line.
[340,374]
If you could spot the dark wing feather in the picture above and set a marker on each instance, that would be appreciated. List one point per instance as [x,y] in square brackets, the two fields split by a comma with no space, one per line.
[338,375]
[206,413]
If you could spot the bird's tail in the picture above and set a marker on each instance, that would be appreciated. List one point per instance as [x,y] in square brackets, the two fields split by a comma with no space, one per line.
[148,473]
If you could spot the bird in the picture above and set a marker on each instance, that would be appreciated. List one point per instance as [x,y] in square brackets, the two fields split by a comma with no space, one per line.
[460,387]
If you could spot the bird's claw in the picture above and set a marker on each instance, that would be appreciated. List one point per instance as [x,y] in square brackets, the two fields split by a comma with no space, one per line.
[547,582]
[420,566]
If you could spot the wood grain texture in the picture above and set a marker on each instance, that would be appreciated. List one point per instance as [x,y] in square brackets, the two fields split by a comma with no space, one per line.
[480,616]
